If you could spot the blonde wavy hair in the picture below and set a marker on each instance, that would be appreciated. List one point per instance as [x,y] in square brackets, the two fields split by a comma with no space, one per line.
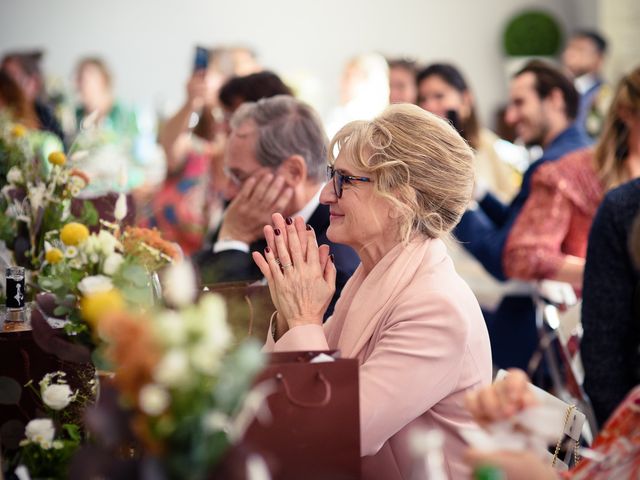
[612,148]
[417,161]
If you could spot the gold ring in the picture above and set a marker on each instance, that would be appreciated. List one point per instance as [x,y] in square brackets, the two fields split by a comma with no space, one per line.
[288,265]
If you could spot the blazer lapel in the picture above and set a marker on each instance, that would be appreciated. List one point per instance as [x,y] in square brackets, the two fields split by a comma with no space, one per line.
[377,292]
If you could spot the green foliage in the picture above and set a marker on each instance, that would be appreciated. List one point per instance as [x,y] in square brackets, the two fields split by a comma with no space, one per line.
[89,215]
[10,156]
[532,33]
[237,374]
[10,391]
[134,282]
[7,224]
[51,462]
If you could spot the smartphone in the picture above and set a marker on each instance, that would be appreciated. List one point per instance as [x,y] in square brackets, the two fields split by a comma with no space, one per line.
[454,119]
[201,61]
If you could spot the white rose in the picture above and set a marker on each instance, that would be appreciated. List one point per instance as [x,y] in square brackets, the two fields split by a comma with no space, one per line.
[14,175]
[153,399]
[91,245]
[120,211]
[107,242]
[112,264]
[179,284]
[95,284]
[215,329]
[216,421]
[171,328]
[173,369]
[40,431]
[205,359]
[57,396]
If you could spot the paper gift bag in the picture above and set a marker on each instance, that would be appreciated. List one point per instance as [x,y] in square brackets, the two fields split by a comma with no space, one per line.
[249,308]
[314,432]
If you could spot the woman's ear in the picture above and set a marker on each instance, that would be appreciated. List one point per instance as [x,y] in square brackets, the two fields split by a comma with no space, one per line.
[294,170]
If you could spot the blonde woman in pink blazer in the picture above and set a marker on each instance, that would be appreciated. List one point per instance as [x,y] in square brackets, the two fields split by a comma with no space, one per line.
[398,185]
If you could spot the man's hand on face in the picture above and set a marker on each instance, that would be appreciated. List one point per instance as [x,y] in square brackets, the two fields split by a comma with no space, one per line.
[261,195]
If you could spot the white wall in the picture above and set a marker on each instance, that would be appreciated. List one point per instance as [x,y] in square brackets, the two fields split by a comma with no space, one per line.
[149,43]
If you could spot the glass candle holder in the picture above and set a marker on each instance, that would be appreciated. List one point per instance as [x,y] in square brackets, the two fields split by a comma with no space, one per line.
[16,300]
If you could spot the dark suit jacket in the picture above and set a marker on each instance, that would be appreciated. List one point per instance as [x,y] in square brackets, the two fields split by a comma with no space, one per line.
[610,307]
[484,231]
[235,265]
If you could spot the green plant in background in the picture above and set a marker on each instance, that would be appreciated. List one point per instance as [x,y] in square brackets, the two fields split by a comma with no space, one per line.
[532,33]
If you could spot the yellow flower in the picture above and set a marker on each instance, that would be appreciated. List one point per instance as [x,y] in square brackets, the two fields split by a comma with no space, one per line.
[96,305]
[54,256]
[57,158]
[74,233]
[18,130]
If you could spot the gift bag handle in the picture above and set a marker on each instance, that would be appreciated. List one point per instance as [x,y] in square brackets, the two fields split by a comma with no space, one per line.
[299,403]
[248,300]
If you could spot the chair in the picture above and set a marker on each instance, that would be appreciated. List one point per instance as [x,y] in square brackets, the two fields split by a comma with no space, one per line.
[560,331]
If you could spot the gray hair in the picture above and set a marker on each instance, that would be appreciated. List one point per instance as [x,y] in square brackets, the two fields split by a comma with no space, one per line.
[286,126]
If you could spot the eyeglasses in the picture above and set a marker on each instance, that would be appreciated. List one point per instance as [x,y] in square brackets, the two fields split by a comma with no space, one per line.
[339,180]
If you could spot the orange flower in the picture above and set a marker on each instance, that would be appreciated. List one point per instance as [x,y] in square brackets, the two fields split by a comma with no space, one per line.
[80,174]
[133,236]
[132,349]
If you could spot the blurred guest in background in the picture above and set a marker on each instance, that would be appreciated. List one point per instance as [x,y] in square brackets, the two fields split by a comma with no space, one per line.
[543,105]
[250,88]
[444,91]
[193,140]
[402,80]
[549,237]
[584,58]
[14,102]
[110,131]
[276,162]
[16,108]
[613,455]
[24,68]
[364,91]
[610,347]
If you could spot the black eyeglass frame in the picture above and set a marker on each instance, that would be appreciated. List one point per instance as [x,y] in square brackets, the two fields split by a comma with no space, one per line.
[339,180]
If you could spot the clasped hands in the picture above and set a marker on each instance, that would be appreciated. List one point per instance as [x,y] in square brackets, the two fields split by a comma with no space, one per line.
[301,274]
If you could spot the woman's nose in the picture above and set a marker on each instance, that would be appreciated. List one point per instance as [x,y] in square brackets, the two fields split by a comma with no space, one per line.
[328,194]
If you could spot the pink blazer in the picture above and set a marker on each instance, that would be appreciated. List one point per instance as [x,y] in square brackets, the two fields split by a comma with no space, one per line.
[422,343]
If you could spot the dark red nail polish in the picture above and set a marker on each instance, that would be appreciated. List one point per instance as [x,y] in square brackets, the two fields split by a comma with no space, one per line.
[332,258]
[277,231]
[309,227]
[267,250]
[289,220]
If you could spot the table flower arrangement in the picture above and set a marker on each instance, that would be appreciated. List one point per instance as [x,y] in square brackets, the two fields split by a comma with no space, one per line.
[52,439]
[89,273]
[36,195]
[181,383]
